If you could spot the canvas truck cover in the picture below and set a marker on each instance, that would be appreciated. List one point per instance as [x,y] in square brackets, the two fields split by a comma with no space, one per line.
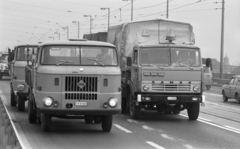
[101,36]
[151,32]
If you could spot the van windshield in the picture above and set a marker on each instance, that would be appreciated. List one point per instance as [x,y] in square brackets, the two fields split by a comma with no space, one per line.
[76,55]
[22,54]
[181,57]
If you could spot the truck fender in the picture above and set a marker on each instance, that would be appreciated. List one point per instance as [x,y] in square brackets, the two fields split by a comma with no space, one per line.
[131,87]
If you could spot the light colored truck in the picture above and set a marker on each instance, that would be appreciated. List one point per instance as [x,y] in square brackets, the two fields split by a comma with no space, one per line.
[161,67]
[74,79]
[17,62]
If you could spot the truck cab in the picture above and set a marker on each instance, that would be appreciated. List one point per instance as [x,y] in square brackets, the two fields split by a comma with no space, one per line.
[74,79]
[17,62]
[165,77]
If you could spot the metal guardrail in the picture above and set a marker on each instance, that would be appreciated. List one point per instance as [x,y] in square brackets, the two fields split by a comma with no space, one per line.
[219,81]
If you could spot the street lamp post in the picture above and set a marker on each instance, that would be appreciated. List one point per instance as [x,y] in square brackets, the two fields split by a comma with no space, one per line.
[222,40]
[67,31]
[131,9]
[78,27]
[108,15]
[90,22]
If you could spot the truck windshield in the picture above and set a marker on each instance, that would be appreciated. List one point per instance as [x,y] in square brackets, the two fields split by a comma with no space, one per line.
[182,57]
[22,54]
[76,55]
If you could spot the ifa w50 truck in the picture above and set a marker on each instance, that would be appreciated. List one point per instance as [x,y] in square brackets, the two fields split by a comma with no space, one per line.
[74,79]
[161,67]
[17,62]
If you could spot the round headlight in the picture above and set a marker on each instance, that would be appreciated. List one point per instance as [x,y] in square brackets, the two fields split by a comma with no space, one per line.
[21,87]
[146,87]
[196,88]
[113,102]
[48,101]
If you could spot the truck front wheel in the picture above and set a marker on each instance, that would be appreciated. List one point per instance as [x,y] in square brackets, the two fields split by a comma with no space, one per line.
[193,111]
[107,123]
[13,99]
[21,103]
[135,111]
[46,122]
[32,113]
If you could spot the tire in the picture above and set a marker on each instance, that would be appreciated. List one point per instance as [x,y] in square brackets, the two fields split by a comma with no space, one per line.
[97,120]
[125,109]
[238,98]
[0,77]
[225,98]
[13,98]
[168,112]
[46,122]
[32,113]
[135,111]
[193,111]
[107,123]
[21,103]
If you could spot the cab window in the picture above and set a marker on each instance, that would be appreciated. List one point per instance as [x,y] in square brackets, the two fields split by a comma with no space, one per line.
[231,81]
[23,54]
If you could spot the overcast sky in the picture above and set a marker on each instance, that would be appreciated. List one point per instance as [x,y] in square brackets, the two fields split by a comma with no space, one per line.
[31,21]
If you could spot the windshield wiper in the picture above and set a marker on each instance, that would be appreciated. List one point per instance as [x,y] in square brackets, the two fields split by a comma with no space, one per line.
[64,61]
[97,60]
[153,65]
[181,64]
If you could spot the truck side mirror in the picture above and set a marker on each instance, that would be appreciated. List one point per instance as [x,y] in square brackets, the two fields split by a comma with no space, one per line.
[33,58]
[129,61]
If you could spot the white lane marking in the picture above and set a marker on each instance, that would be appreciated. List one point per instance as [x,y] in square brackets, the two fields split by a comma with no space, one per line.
[223,106]
[232,128]
[155,145]
[212,103]
[132,121]
[204,119]
[122,128]
[188,146]
[219,126]
[213,94]
[165,136]
[147,128]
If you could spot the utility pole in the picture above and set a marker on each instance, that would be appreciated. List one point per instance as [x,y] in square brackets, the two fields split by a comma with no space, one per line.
[222,40]
[167,8]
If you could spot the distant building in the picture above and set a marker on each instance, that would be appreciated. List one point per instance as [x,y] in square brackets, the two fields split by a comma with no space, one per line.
[226,61]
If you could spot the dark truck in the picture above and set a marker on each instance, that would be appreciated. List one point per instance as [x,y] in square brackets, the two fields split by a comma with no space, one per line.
[4,71]
[69,79]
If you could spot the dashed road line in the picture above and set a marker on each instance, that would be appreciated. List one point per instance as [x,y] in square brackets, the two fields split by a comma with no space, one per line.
[122,128]
[147,128]
[155,145]
[232,128]
[213,94]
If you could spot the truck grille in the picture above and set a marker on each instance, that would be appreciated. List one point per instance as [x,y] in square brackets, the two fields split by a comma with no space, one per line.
[171,87]
[81,84]
[81,88]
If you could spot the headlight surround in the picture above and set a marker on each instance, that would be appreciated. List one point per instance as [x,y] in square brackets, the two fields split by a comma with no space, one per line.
[146,87]
[48,101]
[196,88]
[21,87]
[112,102]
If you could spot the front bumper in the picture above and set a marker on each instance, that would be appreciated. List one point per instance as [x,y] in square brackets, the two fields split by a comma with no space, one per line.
[80,112]
[170,98]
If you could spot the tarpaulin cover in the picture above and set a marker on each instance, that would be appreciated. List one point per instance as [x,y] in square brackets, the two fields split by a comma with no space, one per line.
[151,32]
[101,36]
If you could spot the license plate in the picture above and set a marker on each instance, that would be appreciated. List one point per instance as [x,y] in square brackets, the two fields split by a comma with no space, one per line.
[78,103]
[172,98]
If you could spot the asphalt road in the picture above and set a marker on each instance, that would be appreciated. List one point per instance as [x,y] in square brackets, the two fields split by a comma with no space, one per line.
[217,127]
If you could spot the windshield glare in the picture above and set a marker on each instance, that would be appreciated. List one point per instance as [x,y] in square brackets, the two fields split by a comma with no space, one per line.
[22,54]
[166,57]
[75,55]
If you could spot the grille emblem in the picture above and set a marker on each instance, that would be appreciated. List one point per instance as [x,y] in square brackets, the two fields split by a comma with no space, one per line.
[81,69]
[81,84]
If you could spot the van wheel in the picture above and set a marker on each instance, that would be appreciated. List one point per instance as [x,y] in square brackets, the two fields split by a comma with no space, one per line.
[88,120]
[193,111]
[97,120]
[238,98]
[225,98]
[21,103]
[32,113]
[107,123]
[135,111]
[13,99]
[46,122]
[0,77]
[176,112]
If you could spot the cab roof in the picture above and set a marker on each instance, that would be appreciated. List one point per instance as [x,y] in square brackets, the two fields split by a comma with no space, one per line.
[25,45]
[77,42]
[169,45]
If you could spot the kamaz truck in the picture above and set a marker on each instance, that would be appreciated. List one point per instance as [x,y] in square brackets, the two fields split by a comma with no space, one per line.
[161,67]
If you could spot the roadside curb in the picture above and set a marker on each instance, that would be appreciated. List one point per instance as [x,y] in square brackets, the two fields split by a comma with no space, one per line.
[11,133]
